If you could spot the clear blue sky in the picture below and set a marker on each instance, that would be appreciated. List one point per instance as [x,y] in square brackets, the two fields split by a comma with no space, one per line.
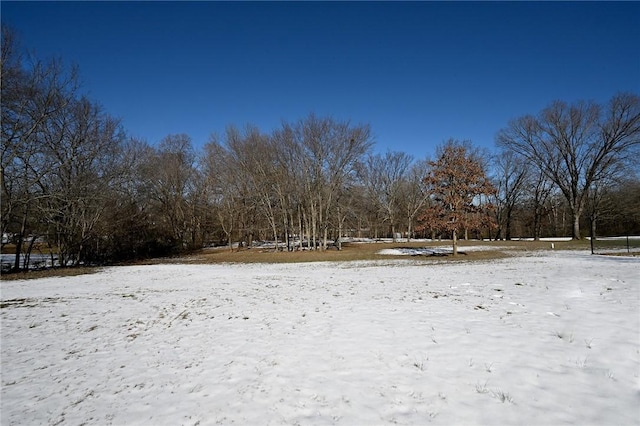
[417,72]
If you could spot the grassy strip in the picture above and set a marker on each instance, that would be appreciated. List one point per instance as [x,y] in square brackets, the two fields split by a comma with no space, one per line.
[48,273]
[350,252]
[369,251]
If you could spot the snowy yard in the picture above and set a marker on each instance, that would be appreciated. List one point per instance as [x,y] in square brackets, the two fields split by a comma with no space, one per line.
[546,338]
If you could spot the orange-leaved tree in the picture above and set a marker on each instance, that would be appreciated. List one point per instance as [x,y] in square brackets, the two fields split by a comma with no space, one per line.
[459,189]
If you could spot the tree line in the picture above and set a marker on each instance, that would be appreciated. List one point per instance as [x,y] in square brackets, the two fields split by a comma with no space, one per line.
[76,186]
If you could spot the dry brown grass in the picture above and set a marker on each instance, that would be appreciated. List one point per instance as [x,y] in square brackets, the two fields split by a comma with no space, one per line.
[48,273]
[350,252]
[369,251]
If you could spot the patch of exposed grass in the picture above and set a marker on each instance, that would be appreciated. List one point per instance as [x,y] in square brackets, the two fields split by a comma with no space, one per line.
[349,252]
[48,273]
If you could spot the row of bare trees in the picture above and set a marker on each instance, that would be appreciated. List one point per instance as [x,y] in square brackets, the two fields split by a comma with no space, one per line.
[75,186]
[581,149]
[60,155]
[292,182]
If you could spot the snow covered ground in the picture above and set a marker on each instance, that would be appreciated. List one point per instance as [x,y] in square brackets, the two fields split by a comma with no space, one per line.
[546,338]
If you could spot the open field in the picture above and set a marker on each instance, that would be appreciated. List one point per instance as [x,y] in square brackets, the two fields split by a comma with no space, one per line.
[471,250]
[534,336]
[350,252]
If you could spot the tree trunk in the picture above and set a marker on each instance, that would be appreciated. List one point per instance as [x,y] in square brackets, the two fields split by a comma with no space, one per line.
[592,231]
[455,242]
[324,237]
[16,262]
[537,224]
[300,231]
[308,225]
[23,230]
[27,255]
[287,238]
[576,225]
[314,225]
[499,235]
[274,229]
[339,240]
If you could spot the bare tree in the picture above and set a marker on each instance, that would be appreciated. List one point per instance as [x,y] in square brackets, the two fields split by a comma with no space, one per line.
[511,173]
[413,196]
[82,148]
[291,182]
[577,145]
[328,153]
[169,174]
[254,157]
[33,92]
[383,177]
[538,190]
[288,183]
[229,190]
[129,227]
